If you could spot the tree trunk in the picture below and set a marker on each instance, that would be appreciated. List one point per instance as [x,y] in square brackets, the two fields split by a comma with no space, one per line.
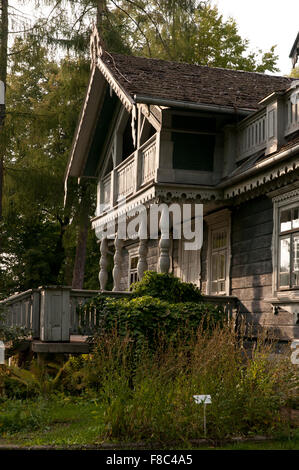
[79,265]
[101,7]
[3,74]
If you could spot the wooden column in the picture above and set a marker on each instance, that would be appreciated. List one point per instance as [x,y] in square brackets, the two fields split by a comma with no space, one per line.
[103,275]
[142,250]
[164,258]
[118,243]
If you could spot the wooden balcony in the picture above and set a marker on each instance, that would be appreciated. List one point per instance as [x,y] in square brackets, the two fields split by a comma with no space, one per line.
[135,172]
[252,135]
[292,115]
[266,129]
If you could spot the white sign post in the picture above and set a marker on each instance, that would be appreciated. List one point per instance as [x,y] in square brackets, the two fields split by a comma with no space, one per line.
[205,400]
[2,353]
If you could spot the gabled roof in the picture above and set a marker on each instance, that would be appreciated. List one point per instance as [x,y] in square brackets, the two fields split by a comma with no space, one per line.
[164,83]
[191,83]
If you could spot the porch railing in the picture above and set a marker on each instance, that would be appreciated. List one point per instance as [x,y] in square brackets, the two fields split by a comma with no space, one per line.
[22,310]
[51,313]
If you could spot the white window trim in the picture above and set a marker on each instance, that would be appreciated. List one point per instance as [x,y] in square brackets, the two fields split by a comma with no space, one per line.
[218,221]
[133,252]
[283,201]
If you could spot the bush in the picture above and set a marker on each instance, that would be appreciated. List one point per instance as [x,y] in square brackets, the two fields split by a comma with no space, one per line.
[165,286]
[160,304]
[146,317]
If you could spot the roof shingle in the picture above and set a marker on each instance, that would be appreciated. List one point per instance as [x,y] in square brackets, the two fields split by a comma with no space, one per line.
[192,83]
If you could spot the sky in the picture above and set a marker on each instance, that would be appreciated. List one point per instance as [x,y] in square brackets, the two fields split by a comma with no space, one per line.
[266,23]
[263,22]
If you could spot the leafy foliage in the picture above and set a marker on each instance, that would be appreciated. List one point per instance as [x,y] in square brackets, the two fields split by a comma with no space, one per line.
[160,304]
[165,286]
[38,235]
[185,31]
[144,318]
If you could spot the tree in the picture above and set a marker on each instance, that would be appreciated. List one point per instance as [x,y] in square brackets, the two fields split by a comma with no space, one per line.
[295,72]
[181,30]
[44,99]
[3,74]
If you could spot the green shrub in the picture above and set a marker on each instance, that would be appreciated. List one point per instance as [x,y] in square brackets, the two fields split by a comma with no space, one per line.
[166,286]
[160,304]
[146,317]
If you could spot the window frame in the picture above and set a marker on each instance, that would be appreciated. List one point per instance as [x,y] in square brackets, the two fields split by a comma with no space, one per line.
[282,203]
[219,221]
[133,253]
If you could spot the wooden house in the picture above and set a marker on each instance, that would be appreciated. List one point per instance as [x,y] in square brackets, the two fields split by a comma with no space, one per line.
[159,131]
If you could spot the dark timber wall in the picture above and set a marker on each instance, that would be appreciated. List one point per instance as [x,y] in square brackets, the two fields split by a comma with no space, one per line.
[251,265]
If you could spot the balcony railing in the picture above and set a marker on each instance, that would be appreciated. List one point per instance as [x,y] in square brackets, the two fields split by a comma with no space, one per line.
[126,178]
[292,114]
[106,192]
[148,153]
[253,136]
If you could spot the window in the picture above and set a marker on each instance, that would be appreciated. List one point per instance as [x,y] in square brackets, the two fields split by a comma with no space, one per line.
[133,262]
[189,264]
[288,249]
[285,243]
[218,262]
[193,142]
[193,151]
[133,269]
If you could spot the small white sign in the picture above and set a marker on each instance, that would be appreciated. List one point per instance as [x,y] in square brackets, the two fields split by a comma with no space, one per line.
[2,353]
[205,399]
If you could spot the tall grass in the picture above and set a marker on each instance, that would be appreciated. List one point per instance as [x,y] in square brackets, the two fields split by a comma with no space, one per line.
[151,396]
[145,391]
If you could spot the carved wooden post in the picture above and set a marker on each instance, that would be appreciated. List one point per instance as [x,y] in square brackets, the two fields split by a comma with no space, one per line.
[164,259]
[103,275]
[142,250]
[118,243]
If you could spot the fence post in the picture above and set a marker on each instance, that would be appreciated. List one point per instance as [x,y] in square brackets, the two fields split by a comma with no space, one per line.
[55,314]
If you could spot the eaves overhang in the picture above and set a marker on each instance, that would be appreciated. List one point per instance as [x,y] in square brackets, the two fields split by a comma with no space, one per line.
[269,169]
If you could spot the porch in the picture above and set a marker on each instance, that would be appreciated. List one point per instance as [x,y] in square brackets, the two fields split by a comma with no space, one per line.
[51,318]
